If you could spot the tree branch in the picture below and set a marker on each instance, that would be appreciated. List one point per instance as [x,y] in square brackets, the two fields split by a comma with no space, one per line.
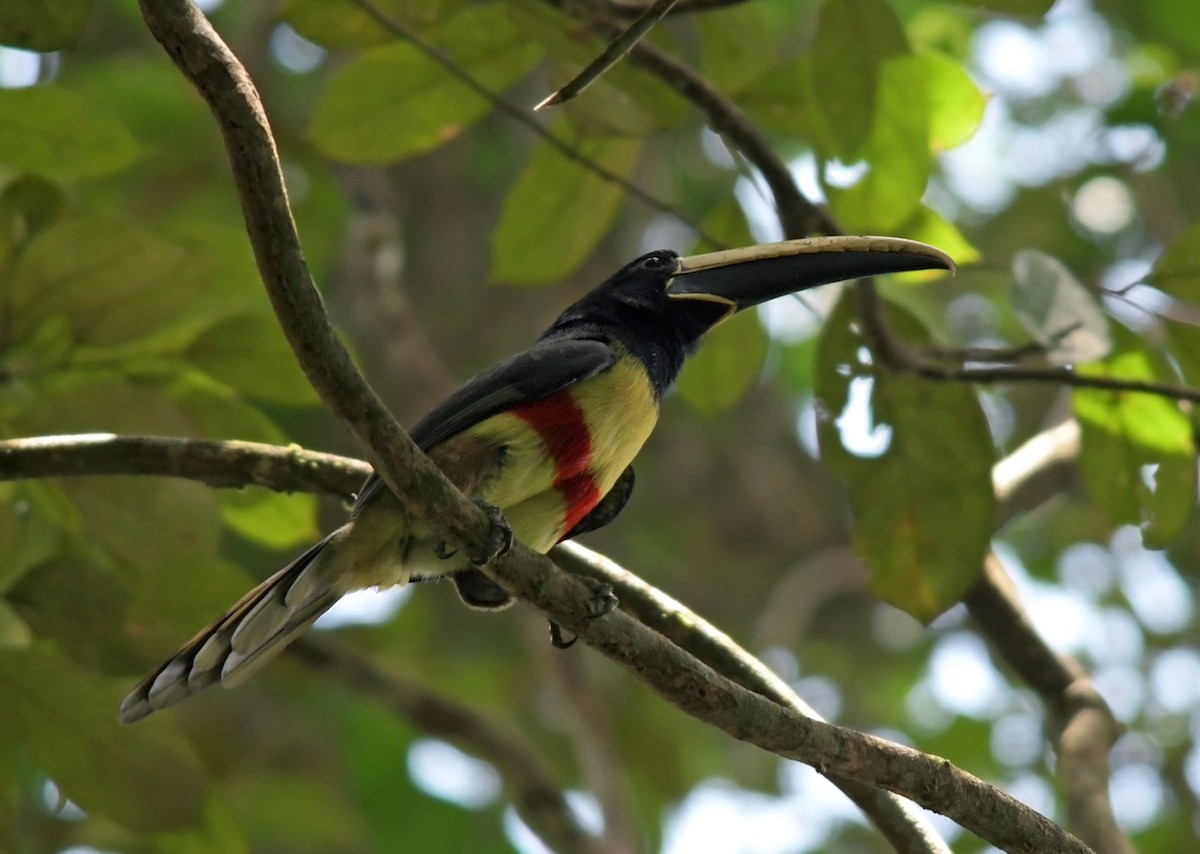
[691,685]
[217,464]
[425,493]
[1082,725]
[905,827]
[613,52]
[1057,376]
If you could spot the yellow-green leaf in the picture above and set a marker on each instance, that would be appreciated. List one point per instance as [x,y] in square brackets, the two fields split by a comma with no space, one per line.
[42,26]
[394,101]
[923,505]
[728,362]
[896,151]
[275,520]
[1138,452]
[557,212]
[854,39]
[55,132]
[110,279]
[67,720]
[955,103]
[1177,270]
[249,353]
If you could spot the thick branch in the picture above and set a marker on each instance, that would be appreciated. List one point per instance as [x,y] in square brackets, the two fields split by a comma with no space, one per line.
[904,826]
[1082,726]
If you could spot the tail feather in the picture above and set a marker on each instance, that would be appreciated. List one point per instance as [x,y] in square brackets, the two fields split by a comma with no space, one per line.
[251,633]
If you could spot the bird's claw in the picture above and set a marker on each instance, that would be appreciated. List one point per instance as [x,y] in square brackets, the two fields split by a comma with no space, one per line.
[500,537]
[601,602]
[558,640]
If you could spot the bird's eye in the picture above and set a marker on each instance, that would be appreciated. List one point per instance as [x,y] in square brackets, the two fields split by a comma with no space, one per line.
[654,262]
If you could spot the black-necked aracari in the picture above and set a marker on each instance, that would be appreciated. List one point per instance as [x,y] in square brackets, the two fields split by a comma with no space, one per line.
[547,436]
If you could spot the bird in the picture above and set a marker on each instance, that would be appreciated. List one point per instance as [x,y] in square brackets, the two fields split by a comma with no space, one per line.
[544,440]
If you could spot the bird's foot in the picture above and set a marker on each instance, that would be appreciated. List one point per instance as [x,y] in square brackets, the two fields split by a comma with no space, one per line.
[601,602]
[500,537]
[499,540]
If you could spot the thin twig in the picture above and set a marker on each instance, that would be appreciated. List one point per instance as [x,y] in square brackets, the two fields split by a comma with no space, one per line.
[799,216]
[629,8]
[215,463]
[612,54]
[521,116]
[1056,376]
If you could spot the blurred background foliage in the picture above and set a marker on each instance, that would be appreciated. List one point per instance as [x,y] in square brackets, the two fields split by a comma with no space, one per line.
[1055,152]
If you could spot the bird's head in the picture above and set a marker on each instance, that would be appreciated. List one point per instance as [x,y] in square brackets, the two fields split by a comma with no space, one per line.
[674,298]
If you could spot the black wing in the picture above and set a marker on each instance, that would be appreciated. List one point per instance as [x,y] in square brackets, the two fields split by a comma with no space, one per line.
[535,373]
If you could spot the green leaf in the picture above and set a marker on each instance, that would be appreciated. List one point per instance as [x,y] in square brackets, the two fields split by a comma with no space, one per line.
[1177,270]
[935,467]
[249,353]
[956,104]
[557,212]
[1015,8]
[273,519]
[897,151]
[29,537]
[1183,342]
[67,720]
[141,522]
[394,101]
[221,834]
[110,279]
[344,25]
[38,25]
[300,814]
[739,43]
[853,41]
[928,226]
[28,205]
[1138,452]
[216,411]
[14,631]
[729,361]
[81,607]
[1056,310]
[56,133]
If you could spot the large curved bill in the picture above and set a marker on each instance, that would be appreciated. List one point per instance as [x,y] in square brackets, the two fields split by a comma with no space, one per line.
[754,274]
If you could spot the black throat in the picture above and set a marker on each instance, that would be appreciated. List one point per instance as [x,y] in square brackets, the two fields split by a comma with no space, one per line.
[661,340]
